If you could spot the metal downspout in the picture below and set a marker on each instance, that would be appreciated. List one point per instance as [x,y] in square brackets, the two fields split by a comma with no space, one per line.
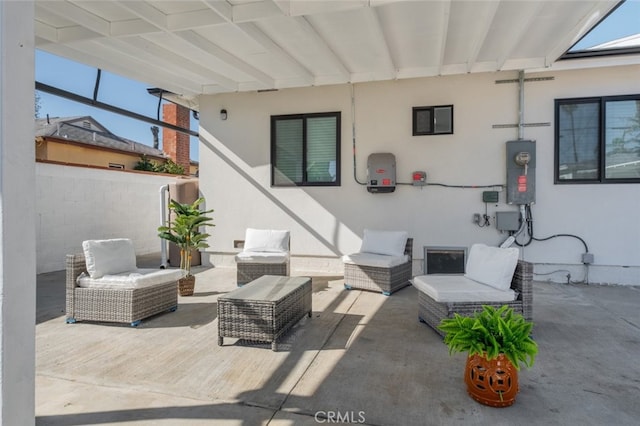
[520,105]
[163,221]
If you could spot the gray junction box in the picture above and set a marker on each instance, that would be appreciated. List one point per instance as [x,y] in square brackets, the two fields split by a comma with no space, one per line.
[381,173]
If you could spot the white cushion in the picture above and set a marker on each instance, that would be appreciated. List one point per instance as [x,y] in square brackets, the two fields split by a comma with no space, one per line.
[267,240]
[492,266]
[109,256]
[138,278]
[261,257]
[391,243]
[376,260]
[457,288]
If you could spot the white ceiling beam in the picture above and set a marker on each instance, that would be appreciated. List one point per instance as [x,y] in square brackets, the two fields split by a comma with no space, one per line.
[248,12]
[306,8]
[155,17]
[523,29]
[77,15]
[45,31]
[222,8]
[132,27]
[490,9]
[597,12]
[270,46]
[225,10]
[193,19]
[147,12]
[323,46]
[162,53]
[148,66]
[212,49]
[130,69]
[446,16]
[380,40]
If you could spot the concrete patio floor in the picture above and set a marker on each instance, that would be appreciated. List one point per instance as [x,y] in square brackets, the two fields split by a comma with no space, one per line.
[361,358]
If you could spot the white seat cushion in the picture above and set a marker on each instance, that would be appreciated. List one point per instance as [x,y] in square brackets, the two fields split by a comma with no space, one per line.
[457,288]
[262,257]
[376,260]
[109,256]
[493,266]
[138,278]
[391,243]
[266,240]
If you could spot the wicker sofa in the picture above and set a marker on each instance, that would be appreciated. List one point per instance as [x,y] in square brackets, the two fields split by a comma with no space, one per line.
[441,297]
[383,263]
[265,252]
[103,284]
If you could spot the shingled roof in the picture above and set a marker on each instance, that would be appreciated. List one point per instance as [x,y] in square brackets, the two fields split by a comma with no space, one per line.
[86,130]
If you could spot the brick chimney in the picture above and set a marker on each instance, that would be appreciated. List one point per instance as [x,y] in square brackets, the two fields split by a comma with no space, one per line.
[176,144]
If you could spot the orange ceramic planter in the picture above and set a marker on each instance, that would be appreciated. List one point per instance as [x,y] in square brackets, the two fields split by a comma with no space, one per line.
[493,383]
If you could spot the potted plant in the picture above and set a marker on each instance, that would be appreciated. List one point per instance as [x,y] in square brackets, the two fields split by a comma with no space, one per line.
[497,341]
[184,231]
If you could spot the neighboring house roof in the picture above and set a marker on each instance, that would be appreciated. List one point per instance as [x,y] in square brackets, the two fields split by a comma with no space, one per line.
[85,129]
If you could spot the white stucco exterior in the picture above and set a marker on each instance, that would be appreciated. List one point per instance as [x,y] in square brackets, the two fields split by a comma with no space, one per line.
[326,222]
[74,204]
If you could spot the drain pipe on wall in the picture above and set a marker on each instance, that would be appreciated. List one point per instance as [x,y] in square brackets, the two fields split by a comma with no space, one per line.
[163,221]
[523,217]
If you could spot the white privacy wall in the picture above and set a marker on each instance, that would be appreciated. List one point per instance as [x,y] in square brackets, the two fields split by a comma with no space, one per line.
[74,204]
[327,222]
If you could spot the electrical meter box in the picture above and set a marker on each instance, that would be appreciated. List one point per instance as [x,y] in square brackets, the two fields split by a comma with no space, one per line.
[521,172]
[381,173]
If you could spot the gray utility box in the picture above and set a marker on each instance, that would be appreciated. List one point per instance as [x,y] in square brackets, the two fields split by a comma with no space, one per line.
[507,221]
[381,173]
[521,172]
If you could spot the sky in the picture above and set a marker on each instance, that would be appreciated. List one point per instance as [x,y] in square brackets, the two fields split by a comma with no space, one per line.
[133,96]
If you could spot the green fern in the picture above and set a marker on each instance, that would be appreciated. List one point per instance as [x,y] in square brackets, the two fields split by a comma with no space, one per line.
[184,230]
[491,332]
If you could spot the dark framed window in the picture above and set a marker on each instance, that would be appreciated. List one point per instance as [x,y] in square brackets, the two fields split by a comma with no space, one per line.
[305,149]
[433,120]
[597,140]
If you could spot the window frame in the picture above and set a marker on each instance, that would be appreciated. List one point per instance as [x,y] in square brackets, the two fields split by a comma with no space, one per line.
[432,126]
[304,117]
[602,143]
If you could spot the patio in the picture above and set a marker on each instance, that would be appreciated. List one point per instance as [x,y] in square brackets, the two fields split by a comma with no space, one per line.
[361,358]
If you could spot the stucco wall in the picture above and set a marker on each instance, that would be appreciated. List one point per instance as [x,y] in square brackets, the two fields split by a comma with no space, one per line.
[327,222]
[74,204]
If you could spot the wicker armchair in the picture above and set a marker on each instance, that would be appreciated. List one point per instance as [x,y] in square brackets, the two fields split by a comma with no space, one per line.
[116,300]
[431,312]
[265,252]
[379,278]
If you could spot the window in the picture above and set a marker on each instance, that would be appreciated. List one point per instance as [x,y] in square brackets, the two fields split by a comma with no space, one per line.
[433,120]
[598,140]
[305,149]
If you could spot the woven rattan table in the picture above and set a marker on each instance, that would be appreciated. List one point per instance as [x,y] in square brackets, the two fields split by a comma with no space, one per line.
[264,309]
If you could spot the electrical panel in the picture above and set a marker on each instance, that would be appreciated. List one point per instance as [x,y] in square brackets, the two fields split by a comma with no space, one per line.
[381,173]
[521,172]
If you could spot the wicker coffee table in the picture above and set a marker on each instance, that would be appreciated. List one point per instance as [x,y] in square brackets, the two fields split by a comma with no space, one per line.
[264,309]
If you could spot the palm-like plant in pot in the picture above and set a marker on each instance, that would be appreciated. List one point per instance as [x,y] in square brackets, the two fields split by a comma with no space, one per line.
[497,341]
[185,231]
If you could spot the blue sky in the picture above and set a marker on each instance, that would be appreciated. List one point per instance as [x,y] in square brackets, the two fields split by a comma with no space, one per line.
[133,96]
